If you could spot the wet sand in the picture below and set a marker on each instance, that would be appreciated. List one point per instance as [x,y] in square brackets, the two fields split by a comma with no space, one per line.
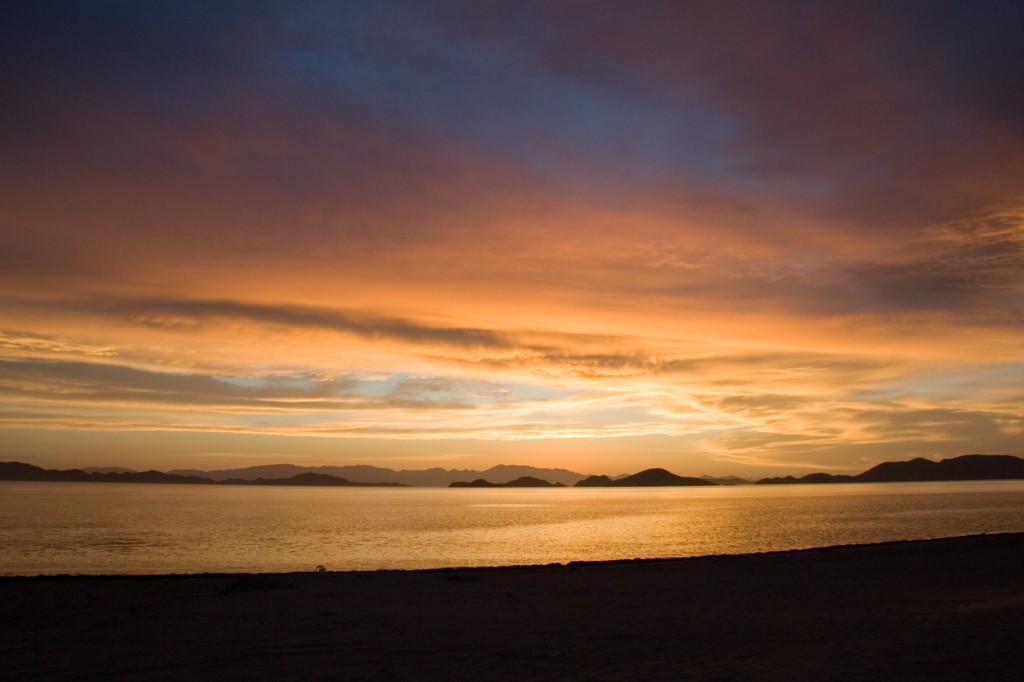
[944,609]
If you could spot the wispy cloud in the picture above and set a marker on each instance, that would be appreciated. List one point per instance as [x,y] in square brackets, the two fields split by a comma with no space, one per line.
[972,267]
[34,343]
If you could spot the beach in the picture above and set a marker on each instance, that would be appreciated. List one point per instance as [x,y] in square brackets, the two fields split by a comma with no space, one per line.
[939,609]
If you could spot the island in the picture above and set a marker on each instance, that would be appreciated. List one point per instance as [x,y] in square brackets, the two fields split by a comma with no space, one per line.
[963,468]
[19,471]
[646,478]
[521,482]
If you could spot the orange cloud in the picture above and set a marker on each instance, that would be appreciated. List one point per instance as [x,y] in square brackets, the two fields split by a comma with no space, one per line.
[768,237]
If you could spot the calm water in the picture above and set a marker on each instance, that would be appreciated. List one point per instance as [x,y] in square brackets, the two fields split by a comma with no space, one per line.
[48,528]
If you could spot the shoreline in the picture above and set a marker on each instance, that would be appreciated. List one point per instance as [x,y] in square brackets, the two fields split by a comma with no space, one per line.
[513,567]
[921,609]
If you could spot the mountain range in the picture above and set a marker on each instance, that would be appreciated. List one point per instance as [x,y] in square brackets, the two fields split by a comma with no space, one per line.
[362,473]
[521,482]
[966,467]
[645,478]
[963,468]
[19,471]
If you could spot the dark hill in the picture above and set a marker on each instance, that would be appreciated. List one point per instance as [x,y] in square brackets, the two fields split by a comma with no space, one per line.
[809,478]
[826,478]
[529,482]
[19,471]
[781,480]
[478,483]
[108,470]
[963,468]
[363,473]
[511,472]
[726,480]
[521,482]
[594,482]
[308,479]
[918,469]
[657,477]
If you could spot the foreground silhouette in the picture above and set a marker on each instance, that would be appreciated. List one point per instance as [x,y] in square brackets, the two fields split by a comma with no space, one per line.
[939,610]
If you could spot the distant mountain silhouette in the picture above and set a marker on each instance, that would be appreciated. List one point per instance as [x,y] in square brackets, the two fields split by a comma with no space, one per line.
[594,482]
[19,471]
[809,478]
[964,468]
[532,482]
[478,483]
[521,482]
[726,480]
[511,472]
[108,470]
[362,473]
[657,477]
[307,478]
[647,478]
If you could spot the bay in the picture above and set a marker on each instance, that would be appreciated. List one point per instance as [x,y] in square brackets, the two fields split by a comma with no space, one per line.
[97,528]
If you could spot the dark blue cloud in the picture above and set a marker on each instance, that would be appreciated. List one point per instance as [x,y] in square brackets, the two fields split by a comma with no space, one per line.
[886,112]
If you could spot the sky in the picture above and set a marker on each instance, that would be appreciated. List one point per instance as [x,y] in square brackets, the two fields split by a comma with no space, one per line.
[716,237]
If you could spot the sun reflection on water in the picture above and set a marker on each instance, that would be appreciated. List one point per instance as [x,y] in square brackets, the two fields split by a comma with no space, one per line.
[102,528]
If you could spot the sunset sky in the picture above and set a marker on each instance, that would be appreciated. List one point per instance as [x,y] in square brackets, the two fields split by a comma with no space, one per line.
[717,237]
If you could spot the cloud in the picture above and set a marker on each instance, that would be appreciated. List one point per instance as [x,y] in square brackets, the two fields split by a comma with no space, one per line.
[753,228]
[865,435]
[34,343]
[64,381]
[171,313]
[972,268]
[871,110]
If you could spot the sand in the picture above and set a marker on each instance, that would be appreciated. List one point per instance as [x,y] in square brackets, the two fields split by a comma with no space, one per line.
[943,609]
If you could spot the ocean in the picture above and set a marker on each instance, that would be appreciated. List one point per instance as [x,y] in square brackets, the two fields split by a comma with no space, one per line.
[97,528]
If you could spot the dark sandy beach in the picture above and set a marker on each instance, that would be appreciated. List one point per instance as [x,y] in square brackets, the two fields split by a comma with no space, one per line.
[944,609]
